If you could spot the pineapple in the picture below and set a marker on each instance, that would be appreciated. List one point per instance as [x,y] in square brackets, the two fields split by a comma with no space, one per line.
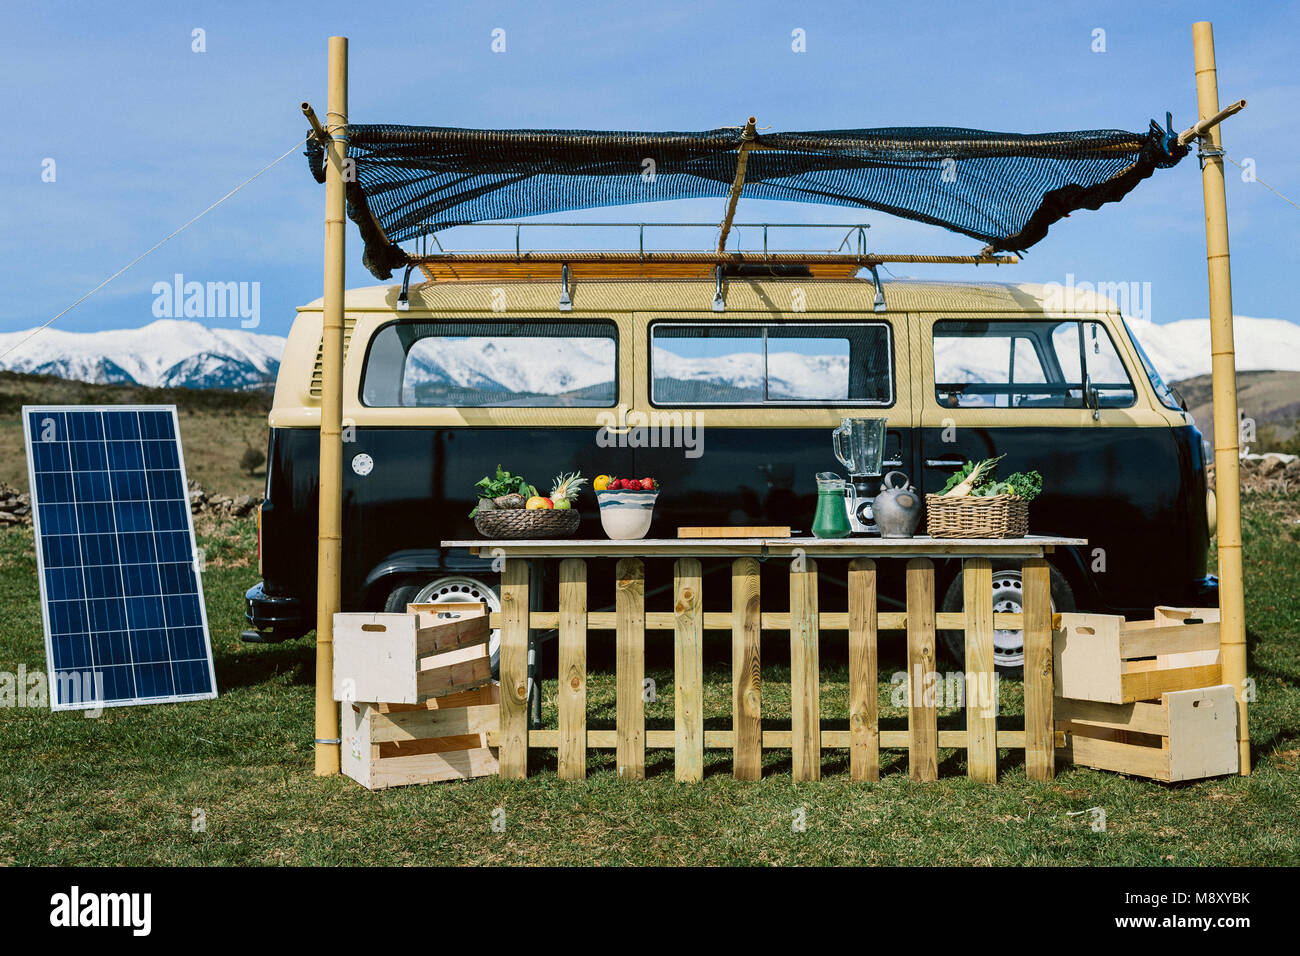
[566,488]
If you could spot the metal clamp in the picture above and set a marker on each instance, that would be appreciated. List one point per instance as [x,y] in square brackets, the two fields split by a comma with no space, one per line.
[404,297]
[878,305]
[719,303]
[566,302]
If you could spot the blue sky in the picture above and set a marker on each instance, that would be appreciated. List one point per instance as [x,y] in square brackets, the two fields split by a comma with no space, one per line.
[145,132]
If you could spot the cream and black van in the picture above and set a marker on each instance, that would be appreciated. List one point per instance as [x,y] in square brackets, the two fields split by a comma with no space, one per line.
[479,373]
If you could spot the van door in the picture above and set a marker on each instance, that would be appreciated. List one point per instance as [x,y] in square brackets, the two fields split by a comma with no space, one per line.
[1052,394]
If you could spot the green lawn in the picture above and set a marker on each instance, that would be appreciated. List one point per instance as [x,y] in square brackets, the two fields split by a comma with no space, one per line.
[122,789]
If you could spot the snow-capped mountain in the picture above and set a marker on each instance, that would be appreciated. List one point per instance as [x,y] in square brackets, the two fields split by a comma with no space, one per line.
[168,353]
[177,353]
[1181,350]
[539,366]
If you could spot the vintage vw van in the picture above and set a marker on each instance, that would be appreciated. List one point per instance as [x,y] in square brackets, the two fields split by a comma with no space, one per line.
[732,411]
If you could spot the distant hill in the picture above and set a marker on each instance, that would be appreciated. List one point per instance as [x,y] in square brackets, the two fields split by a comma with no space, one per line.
[215,424]
[1181,350]
[1271,398]
[169,353]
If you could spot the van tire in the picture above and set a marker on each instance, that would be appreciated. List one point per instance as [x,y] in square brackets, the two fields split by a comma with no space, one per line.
[1005,573]
[399,597]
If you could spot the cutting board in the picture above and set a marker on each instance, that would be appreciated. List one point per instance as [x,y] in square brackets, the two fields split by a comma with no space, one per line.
[736,531]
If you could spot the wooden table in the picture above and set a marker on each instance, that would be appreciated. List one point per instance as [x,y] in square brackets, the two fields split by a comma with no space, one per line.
[746,620]
[1032,546]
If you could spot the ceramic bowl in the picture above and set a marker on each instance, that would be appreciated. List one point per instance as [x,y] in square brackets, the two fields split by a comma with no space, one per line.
[626,514]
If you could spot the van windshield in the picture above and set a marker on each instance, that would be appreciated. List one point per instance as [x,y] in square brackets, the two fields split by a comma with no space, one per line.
[1168,397]
[492,364]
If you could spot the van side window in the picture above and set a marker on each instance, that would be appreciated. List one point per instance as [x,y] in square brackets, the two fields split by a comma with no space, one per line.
[492,364]
[789,363]
[1017,364]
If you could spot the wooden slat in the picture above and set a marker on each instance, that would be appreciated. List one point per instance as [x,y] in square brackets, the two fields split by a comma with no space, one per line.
[630,667]
[688,671]
[427,768]
[981,713]
[772,739]
[432,745]
[419,724]
[922,717]
[1039,727]
[473,670]
[746,689]
[1150,684]
[1176,639]
[805,682]
[772,621]
[513,734]
[864,694]
[735,531]
[1122,758]
[489,694]
[433,636]
[572,696]
[1141,717]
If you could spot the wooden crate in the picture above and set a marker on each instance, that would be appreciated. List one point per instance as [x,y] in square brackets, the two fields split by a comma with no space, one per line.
[445,738]
[409,658]
[1187,735]
[1104,658]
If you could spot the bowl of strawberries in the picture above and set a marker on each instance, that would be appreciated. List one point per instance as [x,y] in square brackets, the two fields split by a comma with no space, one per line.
[626,505]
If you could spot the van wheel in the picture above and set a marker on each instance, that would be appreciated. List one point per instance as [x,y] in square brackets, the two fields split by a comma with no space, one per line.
[1008,597]
[453,589]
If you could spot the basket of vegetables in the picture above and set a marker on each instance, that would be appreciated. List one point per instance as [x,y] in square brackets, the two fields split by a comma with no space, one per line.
[975,504]
[509,507]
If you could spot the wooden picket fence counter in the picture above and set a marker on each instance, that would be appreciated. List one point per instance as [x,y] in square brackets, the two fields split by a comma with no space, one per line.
[746,620]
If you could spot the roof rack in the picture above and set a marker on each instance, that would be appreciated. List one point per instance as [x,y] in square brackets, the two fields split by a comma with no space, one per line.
[531,262]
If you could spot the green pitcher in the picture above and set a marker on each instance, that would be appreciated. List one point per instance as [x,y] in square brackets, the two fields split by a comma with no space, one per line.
[832,518]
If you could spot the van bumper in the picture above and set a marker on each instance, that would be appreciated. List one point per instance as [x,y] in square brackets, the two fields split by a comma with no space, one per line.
[273,619]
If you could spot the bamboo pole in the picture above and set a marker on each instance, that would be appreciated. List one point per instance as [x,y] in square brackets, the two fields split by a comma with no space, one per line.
[747,138]
[329,531]
[1232,604]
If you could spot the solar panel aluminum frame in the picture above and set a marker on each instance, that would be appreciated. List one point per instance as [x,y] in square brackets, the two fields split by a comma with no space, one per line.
[33,487]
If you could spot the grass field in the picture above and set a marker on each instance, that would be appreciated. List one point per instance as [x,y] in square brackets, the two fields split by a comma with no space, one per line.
[123,789]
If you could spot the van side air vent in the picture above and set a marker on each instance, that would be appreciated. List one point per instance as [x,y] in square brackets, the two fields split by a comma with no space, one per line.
[315,389]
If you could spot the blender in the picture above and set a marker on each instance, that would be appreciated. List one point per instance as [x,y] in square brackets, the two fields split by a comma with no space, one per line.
[859,444]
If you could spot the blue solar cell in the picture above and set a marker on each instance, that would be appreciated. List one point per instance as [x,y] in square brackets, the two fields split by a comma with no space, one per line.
[124,615]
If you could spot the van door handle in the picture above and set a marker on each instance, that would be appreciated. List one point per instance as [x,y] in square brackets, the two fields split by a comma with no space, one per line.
[952,463]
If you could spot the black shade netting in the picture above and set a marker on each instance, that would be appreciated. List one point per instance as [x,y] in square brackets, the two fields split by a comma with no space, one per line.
[1004,189]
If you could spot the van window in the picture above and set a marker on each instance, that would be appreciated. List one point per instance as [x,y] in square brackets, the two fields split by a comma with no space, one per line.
[790,363]
[1018,364]
[492,364]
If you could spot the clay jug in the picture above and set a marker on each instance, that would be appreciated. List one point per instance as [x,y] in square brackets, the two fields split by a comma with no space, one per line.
[898,507]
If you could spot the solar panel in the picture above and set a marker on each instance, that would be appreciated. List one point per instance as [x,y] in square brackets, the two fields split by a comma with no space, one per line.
[121,596]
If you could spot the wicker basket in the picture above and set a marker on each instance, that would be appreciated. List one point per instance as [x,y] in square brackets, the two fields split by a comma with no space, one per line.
[522,523]
[997,516]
